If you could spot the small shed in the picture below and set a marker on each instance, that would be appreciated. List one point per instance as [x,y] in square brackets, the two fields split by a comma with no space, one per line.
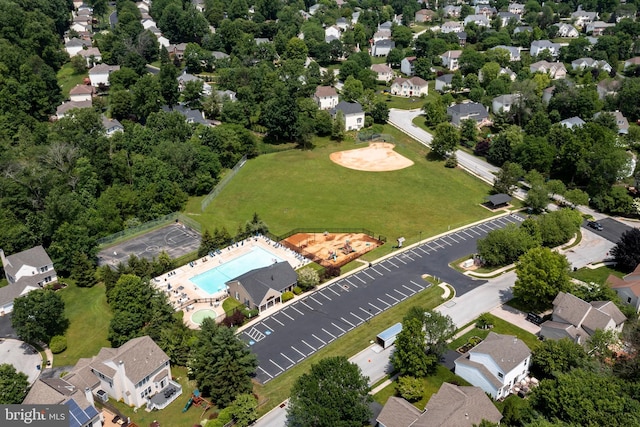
[498,200]
[388,336]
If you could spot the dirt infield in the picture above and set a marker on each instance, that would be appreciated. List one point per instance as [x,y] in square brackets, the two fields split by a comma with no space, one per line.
[377,157]
[332,249]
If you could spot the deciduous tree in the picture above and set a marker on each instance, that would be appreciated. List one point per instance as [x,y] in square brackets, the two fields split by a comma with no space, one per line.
[13,385]
[410,357]
[541,273]
[445,139]
[38,316]
[554,357]
[626,252]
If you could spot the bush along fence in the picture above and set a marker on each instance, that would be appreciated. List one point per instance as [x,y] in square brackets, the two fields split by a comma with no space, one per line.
[223,183]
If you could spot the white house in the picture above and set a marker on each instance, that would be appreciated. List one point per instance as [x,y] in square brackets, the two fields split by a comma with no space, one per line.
[382,34]
[111,126]
[443,82]
[148,23]
[573,122]
[185,77]
[414,86]
[163,41]
[75,45]
[538,46]
[577,319]
[479,20]
[342,23]
[621,122]
[25,271]
[516,8]
[92,56]
[504,102]
[514,52]
[556,70]
[597,28]
[82,93]
[582,18]
[627,288]
[353,114]
[582,63]
[567,30]
[99,74]
[452,27]
[451,11]
[407,65]
[326,97]
[450,59]
[382,47]
[384,73]
[495,365]
[506,17]
[331,33]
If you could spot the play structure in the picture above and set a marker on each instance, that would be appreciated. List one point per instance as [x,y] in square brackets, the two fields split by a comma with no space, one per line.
[347,249]
[198,400]
[332,249]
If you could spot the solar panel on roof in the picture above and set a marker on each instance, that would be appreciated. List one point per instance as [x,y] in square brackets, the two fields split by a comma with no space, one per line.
[78,417]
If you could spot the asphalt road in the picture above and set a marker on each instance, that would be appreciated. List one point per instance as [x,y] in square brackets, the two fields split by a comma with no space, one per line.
[611,229]
[294,333]
[113,19]
[6,330]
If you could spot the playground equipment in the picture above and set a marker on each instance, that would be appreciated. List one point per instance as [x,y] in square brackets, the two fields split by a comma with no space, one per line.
[347,249]
[198,400]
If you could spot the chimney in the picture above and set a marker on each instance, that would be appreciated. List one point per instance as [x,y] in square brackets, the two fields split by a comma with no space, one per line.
[89,396]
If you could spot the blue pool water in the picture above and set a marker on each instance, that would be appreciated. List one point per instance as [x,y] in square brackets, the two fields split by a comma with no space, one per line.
[213,281]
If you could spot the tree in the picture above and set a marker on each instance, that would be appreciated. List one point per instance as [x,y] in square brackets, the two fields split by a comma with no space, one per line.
[626,252]
[507,178]
[380,112]
[504,246]
[352,89]
[192,93]
[559,227]
[501,149]
[333,394]
[13,385]
[221,364]
[541,273]
[337,128]
[169,84]
[38,316]
[244,409]
[435,112]
[409,357]
[538,194]
[78,64]
[83,271]
[468,133]
[554,357]
[410,388]
[577,197]
[445,139]
[206,244]
[308,278]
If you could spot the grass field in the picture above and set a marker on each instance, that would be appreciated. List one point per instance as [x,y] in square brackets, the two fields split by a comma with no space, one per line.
[598,275]
[499,327]
[306,189]
[68,79]
[89,316]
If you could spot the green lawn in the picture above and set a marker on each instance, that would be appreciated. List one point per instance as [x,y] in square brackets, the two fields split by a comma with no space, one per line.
[89,316]
[68,79]
[499,327]
[297,188]
[599,275]
[278,389]
[3,283]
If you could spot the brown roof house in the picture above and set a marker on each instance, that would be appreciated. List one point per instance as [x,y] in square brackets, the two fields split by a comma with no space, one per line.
[451,406]
[262,288]
[495,365]
[627,288]
[25,271]
[577,319]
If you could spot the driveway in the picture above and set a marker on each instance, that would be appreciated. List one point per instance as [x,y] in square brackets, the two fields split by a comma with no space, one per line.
[6,330]
[22,356]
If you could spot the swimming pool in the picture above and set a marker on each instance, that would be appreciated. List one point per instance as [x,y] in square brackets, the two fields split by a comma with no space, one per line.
[213,281]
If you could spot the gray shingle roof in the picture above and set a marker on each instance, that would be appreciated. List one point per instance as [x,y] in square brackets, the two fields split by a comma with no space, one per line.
[397,412]
[458,406]
[506,350]
[258,282]
[468,108]
[347,108]
[36,257]
[141,357]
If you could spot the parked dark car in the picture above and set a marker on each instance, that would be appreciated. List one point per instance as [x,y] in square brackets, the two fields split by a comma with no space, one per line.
[595,225]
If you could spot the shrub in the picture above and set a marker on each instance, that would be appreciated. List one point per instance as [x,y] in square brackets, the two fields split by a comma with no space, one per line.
[308,278]
[58,344]
[451,162]
[253,313]
[297,290]
[287,296]
[235,319]
[484,321]
[410,388]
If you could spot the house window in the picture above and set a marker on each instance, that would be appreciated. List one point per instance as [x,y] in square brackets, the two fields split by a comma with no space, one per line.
[237,295]
[359,120]
[47,279]
[629,300]
[500,375]
[43,269]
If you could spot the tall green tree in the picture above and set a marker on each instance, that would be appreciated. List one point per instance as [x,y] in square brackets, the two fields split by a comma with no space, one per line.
[542,273]
[507,178]
[83,271]
[410,357]
[38,316]
[221,364]
[554,357]
[333,394]
[13,385]
[445,139]
[169,84]
[338,126]
[626,252]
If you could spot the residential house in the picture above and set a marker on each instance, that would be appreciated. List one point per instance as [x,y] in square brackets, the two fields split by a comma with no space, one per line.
[80,26]
[582,18]
[326,97]
[163,42]
[75,45]
[462,38]
[573,122]
[452,405]
[82,93]
[424,15]
[495,365]
[522,29]
[262,288]
[199,5]
[582,63]
[451,11]
[452,27]
[577,319]
[450,59]
[621,121]
[504,103]
[99,74]
[226,95]
[486,10]
[383,72]
[383,34]
[413,86]
[332,33]
[219,55]
[111,126]
[547,94]
[382,47]
[516,8]
[632,62]
[505,71]
[185,77]
[148,23]
[567,31]
[63,109]
[342,24]
[479,20]
[177,50]
[385,26]
[190,115]
[506,17]
[25,271]
[354,18]
[556,70]
[538,46]
[142,7]
[314,8]
[468,110]
[514,52]
[627,288]
[353,114]
[407,65]
[597,28]
[443,82]
[92,56]
[608,87]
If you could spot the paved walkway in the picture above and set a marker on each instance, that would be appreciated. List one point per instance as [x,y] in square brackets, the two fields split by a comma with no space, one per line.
[515,317]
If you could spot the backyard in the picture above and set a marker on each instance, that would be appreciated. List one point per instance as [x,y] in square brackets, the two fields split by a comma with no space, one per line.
[296,188]
[499,327]
[68,79]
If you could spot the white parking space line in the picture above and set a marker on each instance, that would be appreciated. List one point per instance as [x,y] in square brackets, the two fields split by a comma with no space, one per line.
[368,313]
[281,369]
[331,289]
[285,356]
[323,343]
[294,307]
[465,232]
[306,305]
[389,261]
[420,247]
[285,313]
[444,241]
[373,269]
[343,331]
[308,345]
[474,231]
[359,279]
[418,284]
[400,259]
[270,376]
[346,321]
[413,251]
[395,299]
[349,282]
[413,291]
[384,302]
[403,295]
[320,293]
[382,265]
[329,333]
[301,353]
[368,275]
[377,308]
[311,296]
[459,236]
[451,237]
[273,318]
[356,316]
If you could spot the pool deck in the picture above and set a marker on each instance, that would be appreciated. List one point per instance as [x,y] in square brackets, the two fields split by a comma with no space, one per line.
[183,290]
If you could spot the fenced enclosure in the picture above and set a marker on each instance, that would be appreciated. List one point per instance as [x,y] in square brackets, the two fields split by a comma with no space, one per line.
[147,226]
[223,183]
[368,135]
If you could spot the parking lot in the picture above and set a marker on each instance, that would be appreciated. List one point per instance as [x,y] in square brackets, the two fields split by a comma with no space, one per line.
[299,330]
[611,229]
